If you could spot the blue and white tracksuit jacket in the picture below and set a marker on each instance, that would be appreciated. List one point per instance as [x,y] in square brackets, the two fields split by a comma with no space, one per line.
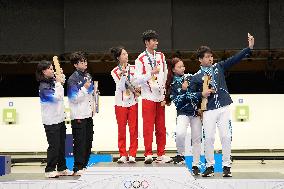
[222,97]
[51,95]
[185,101]
[81,100]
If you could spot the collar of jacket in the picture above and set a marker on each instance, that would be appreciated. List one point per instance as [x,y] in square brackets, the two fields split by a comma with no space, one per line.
[178,78]
[81,73]
[49,81]
[207,69]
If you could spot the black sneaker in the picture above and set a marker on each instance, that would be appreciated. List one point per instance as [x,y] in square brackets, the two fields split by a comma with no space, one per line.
[195,170]
[179,159]
[227,171]
[209,172]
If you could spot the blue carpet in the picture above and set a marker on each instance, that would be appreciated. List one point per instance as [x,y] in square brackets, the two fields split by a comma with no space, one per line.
[202,164]
[93,160]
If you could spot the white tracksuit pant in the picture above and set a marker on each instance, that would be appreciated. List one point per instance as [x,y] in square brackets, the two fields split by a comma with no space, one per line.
[221,117]
[183,122]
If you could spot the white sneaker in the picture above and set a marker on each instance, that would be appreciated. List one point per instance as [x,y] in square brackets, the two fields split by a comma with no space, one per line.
[131,159]
[148,159]
[65,172]
[164,159]
[52,174]
[122,159]
[78,173]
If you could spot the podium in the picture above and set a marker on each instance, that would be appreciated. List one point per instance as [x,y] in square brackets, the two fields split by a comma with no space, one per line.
[5,165]
[139,175]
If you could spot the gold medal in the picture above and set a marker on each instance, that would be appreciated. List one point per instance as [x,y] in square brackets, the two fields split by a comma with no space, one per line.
[127,92]
[154,78]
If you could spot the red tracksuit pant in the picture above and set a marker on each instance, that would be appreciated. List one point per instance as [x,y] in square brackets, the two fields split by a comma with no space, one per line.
[128,115]
[153,114]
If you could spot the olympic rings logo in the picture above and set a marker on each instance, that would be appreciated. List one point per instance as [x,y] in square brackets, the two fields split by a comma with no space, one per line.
[136,184]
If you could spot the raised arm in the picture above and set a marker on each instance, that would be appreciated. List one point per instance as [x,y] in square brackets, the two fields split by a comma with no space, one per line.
[226,64]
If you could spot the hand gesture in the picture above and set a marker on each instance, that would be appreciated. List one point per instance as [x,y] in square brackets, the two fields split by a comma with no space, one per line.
[87,84]
[155,70]
[250,41]
[58,78]
[185,85]
[163,103]
[122,72]
[207,92]
[138,89]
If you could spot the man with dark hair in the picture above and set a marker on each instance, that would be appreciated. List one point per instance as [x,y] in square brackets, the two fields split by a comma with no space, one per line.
[148,35]
[151,74]
[217,111]
[202,50]
[80,91]
[76,57]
